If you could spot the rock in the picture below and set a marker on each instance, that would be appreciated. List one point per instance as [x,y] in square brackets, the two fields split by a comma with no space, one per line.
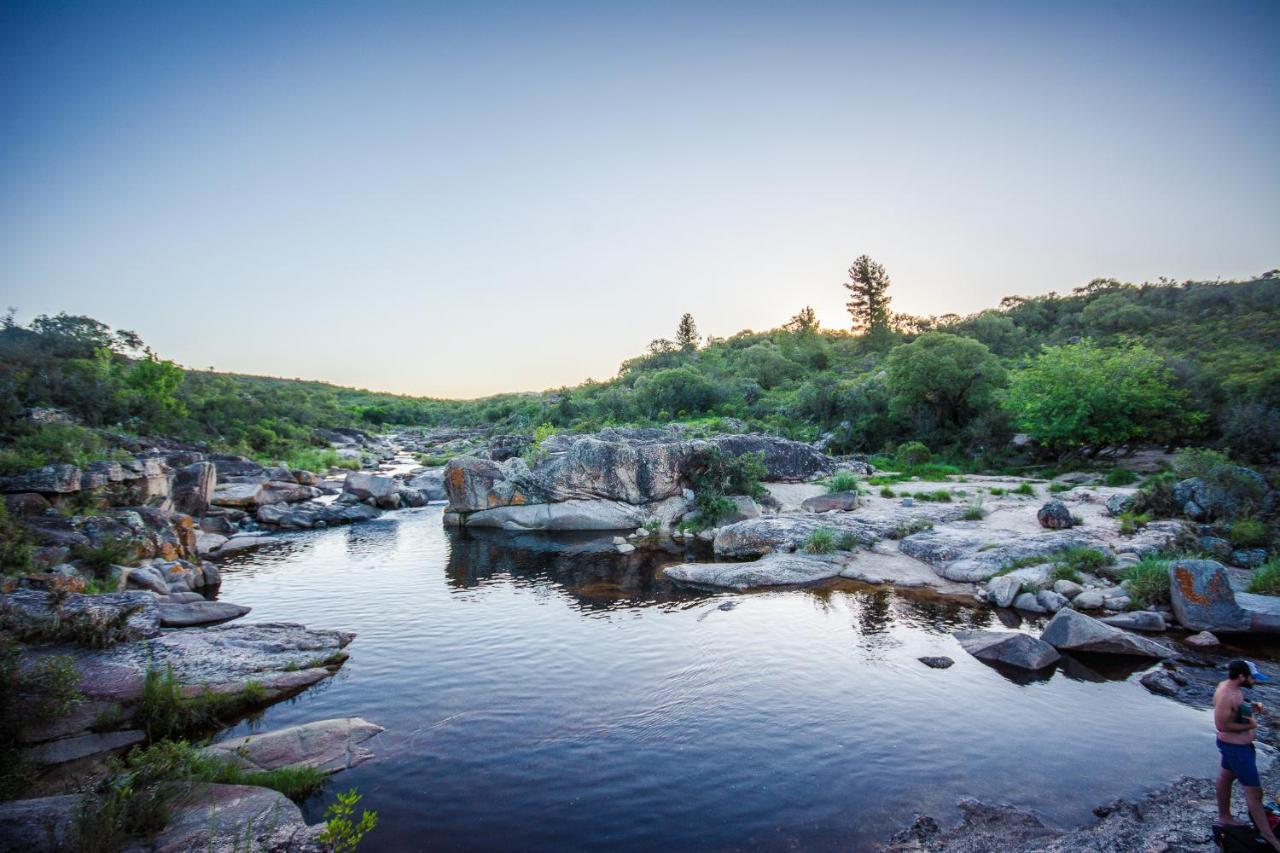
[86,745]
[180,598]
[281,491]
[146,577]
[1003,590]
[25,504]
[1055,516]
[625,548]
[49,479]
[1215,546]
[1206,501]
[759,536]
[236,494]
[375,487]
[1159,681]
[244,543]
[504,447]
[940,662]
[1029,602]
[1051,601]
[207,543]
[619,540]
[1069,589]
[328,745]
[744,508]
[565,515]
[834,502]
[1071,630]
[193,488]
[1119,504]
[236,817]
[1118,602]
[784,460]
[1202,598]
[1090,599]
[41,825]
[1203,640]
[1137,620]
[199,613]
[235,466]
[967,555]
[770,570]
[431,483]
[1249,558]
[218,524]
[124,615]
[1008,647]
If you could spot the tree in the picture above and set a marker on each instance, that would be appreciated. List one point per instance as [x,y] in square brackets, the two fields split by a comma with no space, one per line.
[805,321]
[687,337]
[670,392]
[942,380]
[868,303]
[1080,396]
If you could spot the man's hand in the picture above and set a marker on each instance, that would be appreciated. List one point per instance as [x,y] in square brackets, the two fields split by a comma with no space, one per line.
[1257,707]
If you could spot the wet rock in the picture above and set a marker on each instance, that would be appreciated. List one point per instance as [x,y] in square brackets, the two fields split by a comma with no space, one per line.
[1008,647]
[244,543]
[207,543]
[1159,681]
[939,662]
[1054,515]
[328,745]
[565,515]
[190,613]
[1138,620]
[375,487]
[219,524]
[770,570]
[834,502]
[1070,630]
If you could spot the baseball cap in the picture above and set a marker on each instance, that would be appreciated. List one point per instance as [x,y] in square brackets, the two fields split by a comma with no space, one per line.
[1239,667]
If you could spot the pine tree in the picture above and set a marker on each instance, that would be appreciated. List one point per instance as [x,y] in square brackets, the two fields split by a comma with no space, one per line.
[687,333]
[868,304]
[805,321]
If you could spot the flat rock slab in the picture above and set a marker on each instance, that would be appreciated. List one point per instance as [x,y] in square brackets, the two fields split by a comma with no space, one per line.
[280,656]
[770,570]
[244,543]
[41,825]
[879,566]
[1070,630]
[35,608]
[1008,647]
[84,746]
[192,613]
[975,556]
[234,818]
[328,745]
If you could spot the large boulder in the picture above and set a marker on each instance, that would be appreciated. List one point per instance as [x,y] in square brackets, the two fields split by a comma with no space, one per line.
[565,515]
[1136,620]
[430,482]
[975,556]
[1055,516]
[235,466]
[193,487]
[378,488]
[759,536]
[785,461]
[49,479]
[1008,647]
[1003,590]
[1202,597]
[328,745]
[116,616]
[1070,630]
[236,817]
[1236,490]
[834,502]
[771,570]
[40,825]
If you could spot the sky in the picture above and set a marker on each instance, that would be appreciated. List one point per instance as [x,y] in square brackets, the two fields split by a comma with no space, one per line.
[462,199]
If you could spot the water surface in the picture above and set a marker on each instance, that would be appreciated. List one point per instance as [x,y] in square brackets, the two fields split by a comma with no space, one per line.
[545,693]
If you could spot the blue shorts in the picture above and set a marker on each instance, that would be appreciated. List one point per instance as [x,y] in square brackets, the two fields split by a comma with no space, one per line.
[1242,760]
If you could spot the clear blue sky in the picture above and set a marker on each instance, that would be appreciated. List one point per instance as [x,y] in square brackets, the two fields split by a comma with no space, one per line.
[459,199]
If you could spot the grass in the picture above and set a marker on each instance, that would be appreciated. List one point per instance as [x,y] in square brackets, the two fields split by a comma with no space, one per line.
[1249,533]
[1065,573]
[936,496]
[113,552]
[97,629]
[1132,522]
[1147,581]
[974,511]
[433,460]
[1266,578]
[1024,489]
[825,540]
[1120,477]
[887,492]
[996,491]
[165,713]
[1057,488]
[1083,559]
[314,459]
[842,481]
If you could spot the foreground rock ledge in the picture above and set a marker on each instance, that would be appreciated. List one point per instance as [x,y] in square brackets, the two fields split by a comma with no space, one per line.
[328,745]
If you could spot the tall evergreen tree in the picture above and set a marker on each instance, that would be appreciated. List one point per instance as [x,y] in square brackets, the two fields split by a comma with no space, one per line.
[687,333]
[868,303]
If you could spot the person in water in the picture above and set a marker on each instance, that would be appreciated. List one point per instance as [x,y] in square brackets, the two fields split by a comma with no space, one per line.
[1233,716]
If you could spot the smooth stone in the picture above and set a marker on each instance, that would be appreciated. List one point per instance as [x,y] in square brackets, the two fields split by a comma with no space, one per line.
[328,745]
[1137,620]
[192,613]
[1068,589]
[1090,599]
[1071,630]
[1008,647]
[770,570]
[1004,589]
[1159,681]
[1029,602]
[1051,601]
[938,662]
[1203,640]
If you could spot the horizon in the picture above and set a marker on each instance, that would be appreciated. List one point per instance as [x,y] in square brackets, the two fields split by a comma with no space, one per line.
[458,201]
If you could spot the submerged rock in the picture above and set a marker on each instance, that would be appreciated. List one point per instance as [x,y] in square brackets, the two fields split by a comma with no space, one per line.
[770,570]
[328,745]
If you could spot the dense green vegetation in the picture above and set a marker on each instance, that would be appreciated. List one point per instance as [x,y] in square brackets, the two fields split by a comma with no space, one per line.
[1109,365]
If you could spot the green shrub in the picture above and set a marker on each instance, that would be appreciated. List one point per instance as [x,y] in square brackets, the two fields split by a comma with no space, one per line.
[1266,578]
[842,481]
[996,491]
[1249,533]
[911,454]
[1246,492]
[46,691]
[719,475]
[1083,559]
[166,713]
[341,833]
[1065,573]
[16,555]
[1057,488]
[112,552]
[974,512]
[1147,581]
[429,460]
[886,492]
[820,541]
[936,496]
[1120,477]
[847,541]
[49,444]
[1131,522]
[1025,489]
[1155,496]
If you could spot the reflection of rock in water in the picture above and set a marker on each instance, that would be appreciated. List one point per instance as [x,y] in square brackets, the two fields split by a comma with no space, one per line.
[1083,666]
[587,566]
[377,534]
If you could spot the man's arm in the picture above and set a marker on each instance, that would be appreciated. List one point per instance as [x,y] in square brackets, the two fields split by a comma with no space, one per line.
[1224,715]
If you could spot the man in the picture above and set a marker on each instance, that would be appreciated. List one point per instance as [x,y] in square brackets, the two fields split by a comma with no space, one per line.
[1233,717]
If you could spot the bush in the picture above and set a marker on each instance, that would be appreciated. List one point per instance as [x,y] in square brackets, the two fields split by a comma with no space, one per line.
[842,481]
[1024,489]
[996,491]
[1245,490]
[44,691]
[1155,497]
[99,558]
[887,492]
[974,512]
[1083,559]
[820,541]
[15,545]
[50,444]
[1058,488]
[1121,477]
[340,832]
[1266,578]
[1249,533]
[1147,581]
[911,454]
[720,475]
[1065,573]
[936,496]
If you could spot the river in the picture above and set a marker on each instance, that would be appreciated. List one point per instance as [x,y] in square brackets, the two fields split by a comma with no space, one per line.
[546,693]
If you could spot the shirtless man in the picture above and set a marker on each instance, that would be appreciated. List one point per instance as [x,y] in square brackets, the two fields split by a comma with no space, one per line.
[1235,741]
